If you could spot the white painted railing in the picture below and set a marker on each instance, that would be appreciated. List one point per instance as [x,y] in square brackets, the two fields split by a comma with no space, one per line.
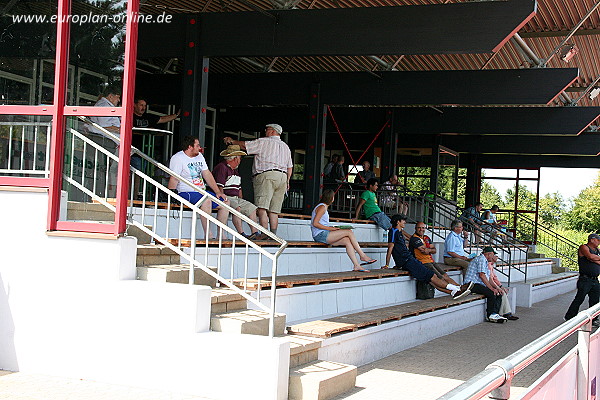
[158,202]
[497,377]
[25,148]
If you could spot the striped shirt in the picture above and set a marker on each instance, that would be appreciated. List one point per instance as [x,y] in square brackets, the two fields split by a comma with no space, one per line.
[269,153]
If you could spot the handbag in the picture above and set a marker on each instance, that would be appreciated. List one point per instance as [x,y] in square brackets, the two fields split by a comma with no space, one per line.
[425,290]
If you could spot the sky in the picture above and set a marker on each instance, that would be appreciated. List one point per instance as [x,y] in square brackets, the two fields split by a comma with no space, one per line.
[566,181]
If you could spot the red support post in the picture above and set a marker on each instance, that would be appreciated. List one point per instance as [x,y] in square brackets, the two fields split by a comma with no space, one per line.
[57,147]
[127,119]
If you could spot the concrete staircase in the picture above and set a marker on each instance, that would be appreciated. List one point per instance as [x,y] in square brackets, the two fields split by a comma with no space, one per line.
[310,378]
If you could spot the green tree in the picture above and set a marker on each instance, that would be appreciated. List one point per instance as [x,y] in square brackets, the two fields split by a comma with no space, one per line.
[489,195]
[526,198]
[584,215]
[552,207]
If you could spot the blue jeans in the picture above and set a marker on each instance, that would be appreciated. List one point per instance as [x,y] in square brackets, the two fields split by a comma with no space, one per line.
[382,220]
[586,286]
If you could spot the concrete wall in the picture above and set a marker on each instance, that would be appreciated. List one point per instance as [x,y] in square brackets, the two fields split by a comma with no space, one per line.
[71,307]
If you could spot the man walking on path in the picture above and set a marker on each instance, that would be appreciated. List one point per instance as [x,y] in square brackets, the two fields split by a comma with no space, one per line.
[588,258]
[272,171]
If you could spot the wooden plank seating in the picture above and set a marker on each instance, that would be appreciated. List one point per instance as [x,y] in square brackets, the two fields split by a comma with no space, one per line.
[289,281]
[552,278]
[266,243]
[352,322]
[331,219]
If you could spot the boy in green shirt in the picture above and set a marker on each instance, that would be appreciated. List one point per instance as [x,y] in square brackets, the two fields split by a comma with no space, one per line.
[368,201]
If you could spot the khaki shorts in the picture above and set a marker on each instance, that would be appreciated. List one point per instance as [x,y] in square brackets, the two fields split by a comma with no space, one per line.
[245,206]
[269,190]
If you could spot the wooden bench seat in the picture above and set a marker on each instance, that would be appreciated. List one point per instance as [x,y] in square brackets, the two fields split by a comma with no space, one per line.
[553,278]
[267,243]
[352,322]
[288,281]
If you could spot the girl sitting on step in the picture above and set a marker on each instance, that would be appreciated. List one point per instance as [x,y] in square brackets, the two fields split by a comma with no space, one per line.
[323,233]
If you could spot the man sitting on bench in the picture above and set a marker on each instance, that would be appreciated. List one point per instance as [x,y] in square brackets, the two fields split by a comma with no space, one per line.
[404,260]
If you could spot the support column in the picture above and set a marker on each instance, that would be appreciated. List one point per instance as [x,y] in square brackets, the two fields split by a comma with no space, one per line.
[315,146]
[389,153]
[435,155]
[194,86]
[472,192]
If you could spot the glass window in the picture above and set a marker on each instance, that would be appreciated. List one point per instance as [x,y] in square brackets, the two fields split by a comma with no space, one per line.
[27,39]
[97,50]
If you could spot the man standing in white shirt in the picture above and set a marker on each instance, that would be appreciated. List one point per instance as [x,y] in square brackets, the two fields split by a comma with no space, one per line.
[190,164]
[272,171]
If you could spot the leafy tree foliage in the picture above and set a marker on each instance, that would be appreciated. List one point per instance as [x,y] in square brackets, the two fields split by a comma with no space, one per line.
[585,216]
[552,207]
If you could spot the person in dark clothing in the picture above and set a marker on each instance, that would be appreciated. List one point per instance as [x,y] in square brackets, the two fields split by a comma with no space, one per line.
[588,258]
[406,261]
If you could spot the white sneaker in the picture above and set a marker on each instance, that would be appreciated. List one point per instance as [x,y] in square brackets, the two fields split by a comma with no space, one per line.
[497,318]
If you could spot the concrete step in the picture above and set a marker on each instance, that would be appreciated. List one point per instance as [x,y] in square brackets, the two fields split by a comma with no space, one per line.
[252,322]
[140,235]
[303,349]
[535,255]
[324,300]
[225,300]
[321,380]
[175,273]
[151,254]
[89,212]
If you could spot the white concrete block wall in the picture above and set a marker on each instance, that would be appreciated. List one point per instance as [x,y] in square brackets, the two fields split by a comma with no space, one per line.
[293,261]
[289,229]
[374,343]
[77,311]
[305,303]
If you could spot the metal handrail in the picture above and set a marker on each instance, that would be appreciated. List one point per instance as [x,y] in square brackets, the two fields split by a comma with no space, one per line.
[498,375]
[437,212]
[174,202]
[546,238]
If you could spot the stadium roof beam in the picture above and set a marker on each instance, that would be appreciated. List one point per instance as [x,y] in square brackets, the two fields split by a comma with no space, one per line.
[481,87]
[583,145]
[474,27]
[542,121]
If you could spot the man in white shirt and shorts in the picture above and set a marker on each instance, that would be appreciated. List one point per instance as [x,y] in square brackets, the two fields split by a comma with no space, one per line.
[190,164]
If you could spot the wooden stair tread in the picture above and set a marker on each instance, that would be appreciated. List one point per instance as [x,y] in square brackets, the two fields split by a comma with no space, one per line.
[288,281]
[352,322]
[553,278]
[266,243]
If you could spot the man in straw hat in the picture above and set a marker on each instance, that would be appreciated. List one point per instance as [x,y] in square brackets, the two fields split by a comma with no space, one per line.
[229,180]
[272,171]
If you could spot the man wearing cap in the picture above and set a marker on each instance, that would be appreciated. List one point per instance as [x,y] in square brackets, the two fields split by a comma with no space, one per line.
[478,273]
[588,258]
[272,171]
[228,178]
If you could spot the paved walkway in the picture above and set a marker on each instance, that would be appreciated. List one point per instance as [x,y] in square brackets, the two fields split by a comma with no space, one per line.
[423,372]
[430,370]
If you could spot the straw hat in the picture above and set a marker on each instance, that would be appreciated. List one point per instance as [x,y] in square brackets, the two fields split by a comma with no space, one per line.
[232,150]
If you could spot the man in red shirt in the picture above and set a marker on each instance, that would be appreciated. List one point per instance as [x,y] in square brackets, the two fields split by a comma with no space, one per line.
[228,179]
[422,249]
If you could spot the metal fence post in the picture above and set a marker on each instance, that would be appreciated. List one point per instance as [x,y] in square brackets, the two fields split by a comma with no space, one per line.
[583,361]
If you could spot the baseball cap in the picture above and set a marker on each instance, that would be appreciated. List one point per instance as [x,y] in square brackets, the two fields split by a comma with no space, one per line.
[488,249]
[594,236]
[276,127]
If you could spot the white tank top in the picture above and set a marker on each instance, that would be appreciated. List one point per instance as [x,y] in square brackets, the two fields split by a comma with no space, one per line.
[323,221]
